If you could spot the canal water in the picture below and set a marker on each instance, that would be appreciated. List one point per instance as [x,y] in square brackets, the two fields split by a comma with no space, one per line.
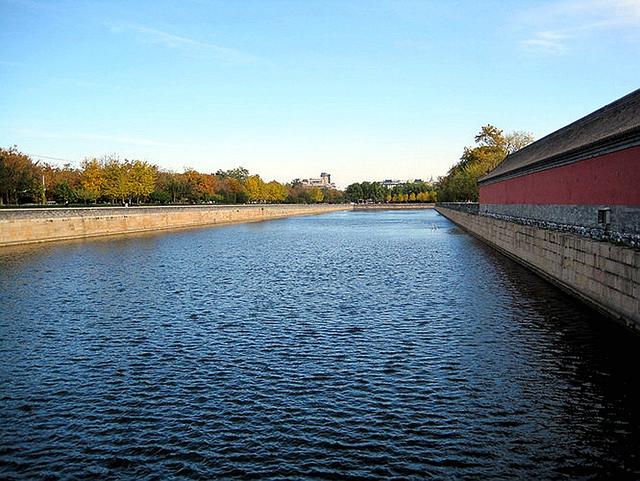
[354,345]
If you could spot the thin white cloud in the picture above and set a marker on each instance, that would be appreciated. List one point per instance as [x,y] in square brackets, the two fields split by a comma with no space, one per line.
[556,26]
[548,41]
[178,42]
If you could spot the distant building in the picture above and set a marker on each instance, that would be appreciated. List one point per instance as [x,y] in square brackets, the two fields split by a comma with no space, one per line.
[324,181]
[392,183]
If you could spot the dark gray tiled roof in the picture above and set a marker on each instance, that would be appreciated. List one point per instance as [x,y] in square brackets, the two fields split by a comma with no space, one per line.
[612,121]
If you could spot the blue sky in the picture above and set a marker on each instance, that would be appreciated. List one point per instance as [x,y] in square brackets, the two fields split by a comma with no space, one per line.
[365,90]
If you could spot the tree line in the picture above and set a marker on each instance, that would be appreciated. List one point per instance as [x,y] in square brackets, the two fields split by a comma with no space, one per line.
[377,192]
[492,146]
[115,181]
[460,184]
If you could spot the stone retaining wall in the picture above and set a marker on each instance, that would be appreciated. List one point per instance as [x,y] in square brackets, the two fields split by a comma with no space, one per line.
[624,219]
[602,274]
[406,206]
[468,207]
[623,229]
[26,226]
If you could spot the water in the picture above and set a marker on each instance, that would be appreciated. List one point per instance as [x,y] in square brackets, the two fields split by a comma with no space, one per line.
[355,345]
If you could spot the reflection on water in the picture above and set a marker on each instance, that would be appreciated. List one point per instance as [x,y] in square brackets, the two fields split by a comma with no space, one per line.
[350,345]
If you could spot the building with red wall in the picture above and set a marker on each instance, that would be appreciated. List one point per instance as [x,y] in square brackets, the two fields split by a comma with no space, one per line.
[586,174]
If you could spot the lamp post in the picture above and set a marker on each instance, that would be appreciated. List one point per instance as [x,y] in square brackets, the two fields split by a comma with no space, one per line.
[44,189]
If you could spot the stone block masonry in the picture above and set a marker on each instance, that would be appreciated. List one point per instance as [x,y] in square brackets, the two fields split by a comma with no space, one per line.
[393,206]
[602,274]
[27,226]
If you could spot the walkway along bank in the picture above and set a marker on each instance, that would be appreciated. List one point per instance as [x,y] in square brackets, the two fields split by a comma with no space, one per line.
[568,207]
[27,226]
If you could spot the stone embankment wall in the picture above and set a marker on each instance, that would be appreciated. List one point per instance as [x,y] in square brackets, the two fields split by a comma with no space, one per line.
[393,206]
[26,226]
[600,273]
[624,219]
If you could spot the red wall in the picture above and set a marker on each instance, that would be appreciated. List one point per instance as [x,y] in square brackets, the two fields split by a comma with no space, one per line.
[612,179]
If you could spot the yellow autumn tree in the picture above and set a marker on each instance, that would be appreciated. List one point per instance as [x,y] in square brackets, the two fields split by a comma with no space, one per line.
[275,192]
[116,174]
[316,195]
[92,180]
[255,188]
[142,179]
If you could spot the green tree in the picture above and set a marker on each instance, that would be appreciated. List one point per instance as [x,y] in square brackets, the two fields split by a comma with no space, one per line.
[18,176]
[64,193]
[239,173]
[354,193]
[460,183]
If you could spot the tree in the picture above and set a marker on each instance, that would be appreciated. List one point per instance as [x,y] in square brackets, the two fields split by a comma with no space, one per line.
[378,192]
[142,179]
[460,183]
[160,197]
[18,176]
[275,192]
[92,180]
[239,173]
[516,140]
[332,196]
[490,136]
[64,193]
[255,188]
[198,188]
[354,192]
[315,195]
[231,190]
[62,183]
[170,187]
[367,191]
[116,175]
[139,181]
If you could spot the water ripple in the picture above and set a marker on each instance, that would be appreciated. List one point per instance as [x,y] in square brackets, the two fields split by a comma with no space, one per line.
[354,345]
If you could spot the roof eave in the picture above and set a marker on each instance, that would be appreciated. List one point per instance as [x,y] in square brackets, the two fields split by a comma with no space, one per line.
[614,143]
